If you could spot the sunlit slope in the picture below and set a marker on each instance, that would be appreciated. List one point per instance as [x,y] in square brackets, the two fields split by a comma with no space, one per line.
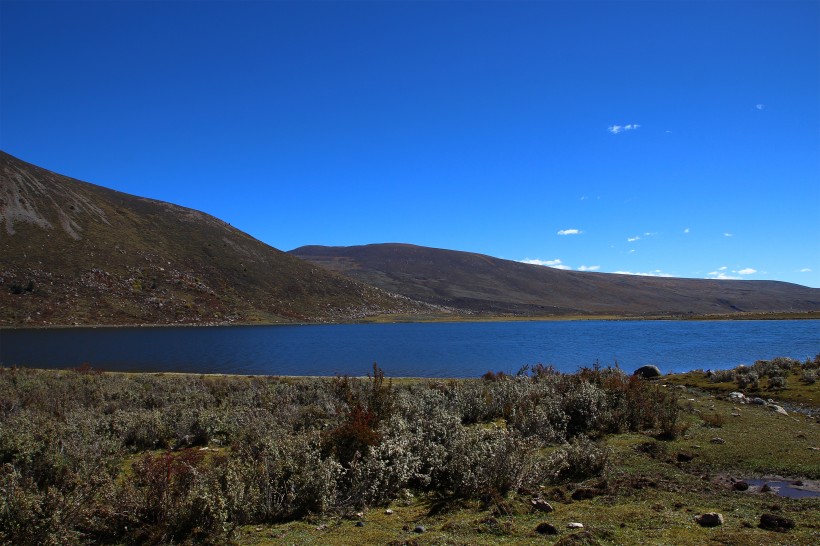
[76,253]
[490,285]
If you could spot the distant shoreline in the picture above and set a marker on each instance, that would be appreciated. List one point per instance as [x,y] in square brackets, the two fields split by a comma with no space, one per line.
[396,319]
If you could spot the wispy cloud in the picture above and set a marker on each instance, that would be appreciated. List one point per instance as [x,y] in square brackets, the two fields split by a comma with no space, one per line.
[686,230]
[760,106]
[746,271]
[805,270]
[721,276]
[615,129]
[555,264]
[589,268]
[632,239]
[570,232]
[727,234]
[654,273]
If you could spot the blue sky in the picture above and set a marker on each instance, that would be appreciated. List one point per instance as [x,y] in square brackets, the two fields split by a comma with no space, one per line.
[663,137]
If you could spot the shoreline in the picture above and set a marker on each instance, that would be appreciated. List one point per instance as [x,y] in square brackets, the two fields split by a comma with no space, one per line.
[408,319]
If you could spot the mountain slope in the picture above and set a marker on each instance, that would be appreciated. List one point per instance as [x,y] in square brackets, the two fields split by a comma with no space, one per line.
[484,284]
[77,253]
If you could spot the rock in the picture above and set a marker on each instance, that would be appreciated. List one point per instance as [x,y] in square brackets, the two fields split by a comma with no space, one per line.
[717,440]
[766,488]
[541,505]
[710,519]
[758,401]
[779,409]
[388,512]
[738,397]
[585,493]
[685,457]
[321,527]
[648,372]
[575,525]
[359,524]
[740,486]
[546,529]
[419,529]
[773,522]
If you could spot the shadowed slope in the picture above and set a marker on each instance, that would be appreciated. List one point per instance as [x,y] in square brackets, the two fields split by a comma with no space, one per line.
[73,252]
[490,285]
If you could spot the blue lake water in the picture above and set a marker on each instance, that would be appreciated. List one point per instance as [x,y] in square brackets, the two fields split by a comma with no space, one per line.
[421,350]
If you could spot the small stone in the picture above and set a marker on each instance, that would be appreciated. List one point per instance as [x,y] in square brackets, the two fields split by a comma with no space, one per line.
[388,512]
[774,522]
[546,529]
[740,486]
[321,527]
[685,457]
[541,505]
[798,483]
[778,409]
[717,440]
[419,529]
[359,524]
[258,529]
[710,519]
[766,488]
[575,525]
[359,514]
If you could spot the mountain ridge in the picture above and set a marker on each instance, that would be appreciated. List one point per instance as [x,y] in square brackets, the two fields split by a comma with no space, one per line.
[486,285]
[72,252]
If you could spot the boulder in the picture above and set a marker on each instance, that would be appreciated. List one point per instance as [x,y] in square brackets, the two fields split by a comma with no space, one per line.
[710,519]
[773,522]
[541,505]
[648,372]
[546,529]
[740,486]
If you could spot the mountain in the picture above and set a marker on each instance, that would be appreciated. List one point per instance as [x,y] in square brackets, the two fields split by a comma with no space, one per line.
[76,253]
[487,285]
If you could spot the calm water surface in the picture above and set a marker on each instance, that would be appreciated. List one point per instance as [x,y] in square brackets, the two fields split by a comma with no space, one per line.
[427,350]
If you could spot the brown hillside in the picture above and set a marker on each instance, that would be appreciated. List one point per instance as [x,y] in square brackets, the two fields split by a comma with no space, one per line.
[484,284]
[77,253]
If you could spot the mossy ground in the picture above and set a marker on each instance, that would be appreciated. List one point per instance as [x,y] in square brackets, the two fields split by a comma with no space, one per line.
[647,497]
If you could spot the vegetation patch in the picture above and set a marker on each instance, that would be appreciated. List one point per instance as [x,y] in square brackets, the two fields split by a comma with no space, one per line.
[91,457]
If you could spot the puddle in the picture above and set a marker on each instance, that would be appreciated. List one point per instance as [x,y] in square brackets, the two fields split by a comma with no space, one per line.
[784,488]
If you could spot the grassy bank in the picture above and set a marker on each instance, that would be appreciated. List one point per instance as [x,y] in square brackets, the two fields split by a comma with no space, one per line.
[89,457]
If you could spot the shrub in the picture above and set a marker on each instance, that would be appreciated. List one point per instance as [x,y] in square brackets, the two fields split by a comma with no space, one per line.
[579,460]
[777,382]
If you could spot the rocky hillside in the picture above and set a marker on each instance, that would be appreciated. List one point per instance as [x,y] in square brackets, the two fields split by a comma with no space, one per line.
[482,284]
[77,253]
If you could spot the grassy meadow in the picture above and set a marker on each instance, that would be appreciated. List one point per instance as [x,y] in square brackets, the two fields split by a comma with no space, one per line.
[92,457]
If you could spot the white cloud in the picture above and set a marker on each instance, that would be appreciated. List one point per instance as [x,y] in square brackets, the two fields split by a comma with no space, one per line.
[721,276]
[555,264]
[746,271]
[760,106]
[728,234]
[723,268]
[686,230]
[632,239]
[615,129]
[570,232]
[589,268]
[654,273]
[632,251]
[805,270]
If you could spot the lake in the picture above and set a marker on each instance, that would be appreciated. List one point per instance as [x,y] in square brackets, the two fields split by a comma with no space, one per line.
[416,349]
